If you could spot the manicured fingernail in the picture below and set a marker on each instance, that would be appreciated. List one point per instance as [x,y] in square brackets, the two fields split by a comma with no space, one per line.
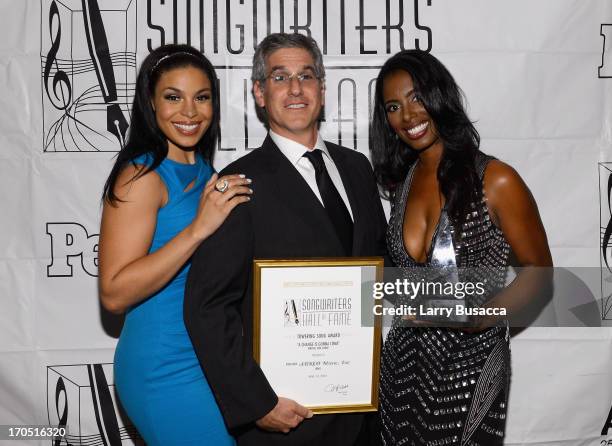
[249,181]
[250,191]
[242,175]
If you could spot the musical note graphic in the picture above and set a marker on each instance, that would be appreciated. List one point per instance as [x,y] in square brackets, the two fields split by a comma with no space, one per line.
[605,246]
[87,86]
[60,390]
[606,239]
[93,418]
[60,78]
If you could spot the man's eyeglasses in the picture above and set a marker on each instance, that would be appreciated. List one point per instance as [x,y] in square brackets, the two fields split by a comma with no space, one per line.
[284,78]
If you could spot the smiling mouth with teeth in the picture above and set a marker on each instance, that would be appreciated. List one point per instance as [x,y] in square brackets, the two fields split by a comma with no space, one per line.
[418,129]
[186,128]
[296,106]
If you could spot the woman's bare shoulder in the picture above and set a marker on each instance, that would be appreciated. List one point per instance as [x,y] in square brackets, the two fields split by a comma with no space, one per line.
[133,184]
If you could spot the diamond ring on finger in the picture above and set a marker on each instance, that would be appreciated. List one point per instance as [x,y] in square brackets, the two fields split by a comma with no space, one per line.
[222,185]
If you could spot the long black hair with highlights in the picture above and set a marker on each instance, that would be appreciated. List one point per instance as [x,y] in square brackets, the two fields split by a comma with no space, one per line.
[144,135]
[444,101]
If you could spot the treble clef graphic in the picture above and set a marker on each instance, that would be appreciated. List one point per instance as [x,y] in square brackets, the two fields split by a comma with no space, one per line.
[60,78]
[60,389]
[606,243]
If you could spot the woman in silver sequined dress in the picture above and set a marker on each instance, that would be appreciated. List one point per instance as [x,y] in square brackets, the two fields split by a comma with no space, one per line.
[444,386]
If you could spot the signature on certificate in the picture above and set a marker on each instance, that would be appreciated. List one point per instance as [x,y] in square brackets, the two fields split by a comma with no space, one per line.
[342,389]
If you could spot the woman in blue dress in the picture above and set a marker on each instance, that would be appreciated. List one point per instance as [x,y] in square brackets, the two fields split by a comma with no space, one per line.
[161,200]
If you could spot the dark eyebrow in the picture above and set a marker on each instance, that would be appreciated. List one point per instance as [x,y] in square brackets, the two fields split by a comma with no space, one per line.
[178,90]
[406,95]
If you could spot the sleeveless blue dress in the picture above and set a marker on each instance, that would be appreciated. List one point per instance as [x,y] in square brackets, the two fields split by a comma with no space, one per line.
[157,374]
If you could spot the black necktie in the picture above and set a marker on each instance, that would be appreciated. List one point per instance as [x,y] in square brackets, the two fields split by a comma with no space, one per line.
[332,201]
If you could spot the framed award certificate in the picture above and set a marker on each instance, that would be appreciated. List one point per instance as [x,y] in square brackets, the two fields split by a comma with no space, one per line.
[314,332]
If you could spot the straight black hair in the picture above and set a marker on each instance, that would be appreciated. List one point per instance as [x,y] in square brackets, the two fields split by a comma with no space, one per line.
[444,101]
[144,135]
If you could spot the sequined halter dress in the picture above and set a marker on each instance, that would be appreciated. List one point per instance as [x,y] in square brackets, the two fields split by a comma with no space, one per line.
[442,386]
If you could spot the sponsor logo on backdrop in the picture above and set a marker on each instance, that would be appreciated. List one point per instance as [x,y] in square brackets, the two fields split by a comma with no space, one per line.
[605,69]
[72,247]
[81,397]
[88,69]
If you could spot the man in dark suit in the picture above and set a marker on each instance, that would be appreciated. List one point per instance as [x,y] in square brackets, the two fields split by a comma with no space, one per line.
[311,199]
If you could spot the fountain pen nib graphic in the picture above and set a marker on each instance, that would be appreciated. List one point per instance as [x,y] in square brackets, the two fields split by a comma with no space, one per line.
[88,75]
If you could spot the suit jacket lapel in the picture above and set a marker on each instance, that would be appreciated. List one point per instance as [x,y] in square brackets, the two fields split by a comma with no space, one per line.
[294,192]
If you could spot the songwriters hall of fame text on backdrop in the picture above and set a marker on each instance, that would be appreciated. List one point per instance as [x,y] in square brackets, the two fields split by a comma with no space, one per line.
[89,47]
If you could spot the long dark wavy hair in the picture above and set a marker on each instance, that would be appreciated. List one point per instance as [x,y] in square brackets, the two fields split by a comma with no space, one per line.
[144,135]
[444,101]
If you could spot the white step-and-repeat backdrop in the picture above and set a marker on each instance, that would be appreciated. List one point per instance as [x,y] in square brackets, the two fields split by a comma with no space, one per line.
[538,79]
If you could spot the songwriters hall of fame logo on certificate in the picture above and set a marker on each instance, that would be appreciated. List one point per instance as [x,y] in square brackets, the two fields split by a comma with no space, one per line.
[88,68]
[317,312]
[291,315]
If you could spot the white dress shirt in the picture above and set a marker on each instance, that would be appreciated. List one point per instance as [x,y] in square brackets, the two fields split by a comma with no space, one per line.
[294,152]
